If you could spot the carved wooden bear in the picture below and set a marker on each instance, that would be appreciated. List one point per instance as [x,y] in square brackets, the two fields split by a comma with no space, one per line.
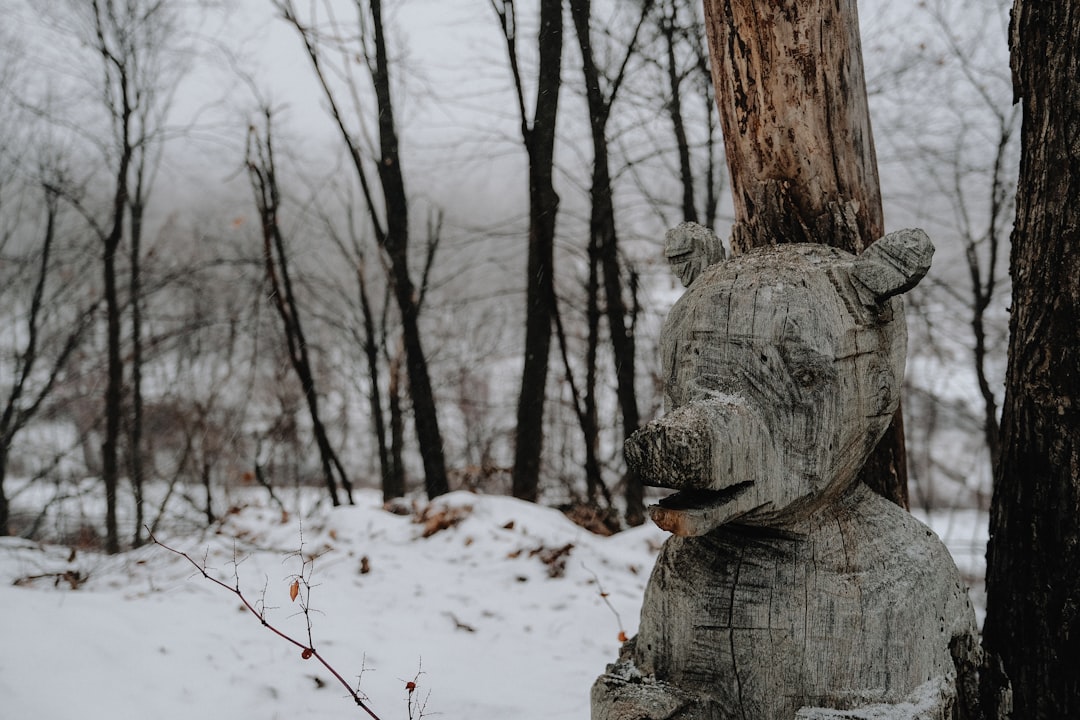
[789,590]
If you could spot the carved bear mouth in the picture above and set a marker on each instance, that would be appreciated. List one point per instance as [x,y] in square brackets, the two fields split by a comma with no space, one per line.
[696,512]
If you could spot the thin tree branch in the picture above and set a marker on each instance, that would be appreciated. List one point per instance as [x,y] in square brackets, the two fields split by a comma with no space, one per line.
[307,649]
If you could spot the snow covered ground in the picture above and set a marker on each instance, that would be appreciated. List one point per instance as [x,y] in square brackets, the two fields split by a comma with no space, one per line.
[509,611]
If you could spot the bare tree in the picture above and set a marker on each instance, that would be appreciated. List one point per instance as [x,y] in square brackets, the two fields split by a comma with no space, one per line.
[156,74]
[603,243]
[381,344]
[192,426]
[366,334]
[538,136]
[675,75]
[390,217]
[685,61]
[38,365]
[132,79]
[262,171]
[950,168]
[117,32]
[974,170]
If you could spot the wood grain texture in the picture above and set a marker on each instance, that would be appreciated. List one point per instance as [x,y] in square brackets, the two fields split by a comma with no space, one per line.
[832,611]
[790,589]
[781,372]
[792,96]
[851,613]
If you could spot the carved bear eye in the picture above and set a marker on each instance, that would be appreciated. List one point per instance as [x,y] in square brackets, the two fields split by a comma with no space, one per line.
[808,369]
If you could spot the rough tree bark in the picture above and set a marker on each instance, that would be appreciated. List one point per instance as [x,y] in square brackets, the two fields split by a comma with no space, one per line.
[1033,591]
[792,98]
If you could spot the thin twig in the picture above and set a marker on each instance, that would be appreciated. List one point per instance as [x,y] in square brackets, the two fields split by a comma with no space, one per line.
[604,597]
[307,649]
[415,703]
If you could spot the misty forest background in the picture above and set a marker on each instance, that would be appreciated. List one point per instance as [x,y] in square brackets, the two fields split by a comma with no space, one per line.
[419,247]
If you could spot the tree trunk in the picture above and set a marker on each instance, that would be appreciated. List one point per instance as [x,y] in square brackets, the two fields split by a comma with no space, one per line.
[585,412]
[396,243]
[204,476]
[135,419]
[263,176]
[686,174]
[1033,594]
[591,431]
[603,236]
[540,289]
[110,466]
[4,510]
[792,98]
[397,426]
[390,487]
[110,469]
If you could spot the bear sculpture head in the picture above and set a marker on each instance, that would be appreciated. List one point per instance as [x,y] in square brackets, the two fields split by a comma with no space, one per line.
[783,369]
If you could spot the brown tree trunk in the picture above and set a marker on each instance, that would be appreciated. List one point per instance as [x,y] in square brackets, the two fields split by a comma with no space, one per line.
[1033,592]
[116,75]
[792,98]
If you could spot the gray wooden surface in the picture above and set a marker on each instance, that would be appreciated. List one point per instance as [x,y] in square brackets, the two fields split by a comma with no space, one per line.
[789,589]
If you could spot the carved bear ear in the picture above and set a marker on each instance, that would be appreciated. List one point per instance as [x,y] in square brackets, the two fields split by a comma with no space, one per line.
[895,263]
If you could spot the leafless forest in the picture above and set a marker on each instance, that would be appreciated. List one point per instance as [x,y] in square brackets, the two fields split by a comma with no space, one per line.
[418,246]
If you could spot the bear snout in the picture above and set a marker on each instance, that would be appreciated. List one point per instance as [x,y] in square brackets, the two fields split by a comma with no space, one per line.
[672,452]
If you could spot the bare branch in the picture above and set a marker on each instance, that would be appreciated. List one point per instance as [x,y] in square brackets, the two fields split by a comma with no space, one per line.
[307,649]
